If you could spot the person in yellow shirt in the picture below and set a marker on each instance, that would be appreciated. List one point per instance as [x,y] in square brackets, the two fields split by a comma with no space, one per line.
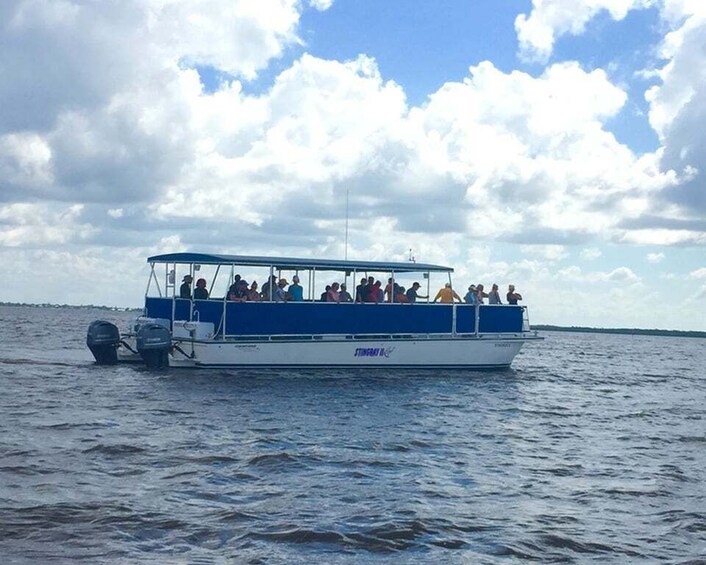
[446,295]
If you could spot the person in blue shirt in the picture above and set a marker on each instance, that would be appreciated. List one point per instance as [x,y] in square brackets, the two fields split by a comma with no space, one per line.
[296,292]
[471,297]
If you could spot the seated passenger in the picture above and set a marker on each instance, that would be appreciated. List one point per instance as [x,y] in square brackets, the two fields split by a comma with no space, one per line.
[324,294]
[447,295]
[344,295]
[253,294]
[240,292]
[296,292]
[200,292]
[401,297]
[333,294]
[281,295]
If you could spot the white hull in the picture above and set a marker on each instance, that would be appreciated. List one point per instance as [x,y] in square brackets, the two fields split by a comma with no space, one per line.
[472,352]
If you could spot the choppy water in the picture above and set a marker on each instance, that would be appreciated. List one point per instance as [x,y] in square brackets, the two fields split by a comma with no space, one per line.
[592,449]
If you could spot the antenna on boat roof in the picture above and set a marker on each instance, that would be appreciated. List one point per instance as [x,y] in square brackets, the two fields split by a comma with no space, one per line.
[411,257]
[345,250]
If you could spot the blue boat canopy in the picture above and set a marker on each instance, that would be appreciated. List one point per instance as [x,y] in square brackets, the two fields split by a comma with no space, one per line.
[294,263]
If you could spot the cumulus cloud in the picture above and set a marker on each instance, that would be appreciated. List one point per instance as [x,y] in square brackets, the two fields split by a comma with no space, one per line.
[550,19]
[655,258]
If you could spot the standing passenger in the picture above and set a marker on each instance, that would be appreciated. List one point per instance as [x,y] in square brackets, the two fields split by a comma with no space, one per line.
[494,295]
[413,294]
[446,295]
[512,296]
[200,292]
[471,297]
[281,294]
[333,295]
[185,288]
[361,291]
[344,295]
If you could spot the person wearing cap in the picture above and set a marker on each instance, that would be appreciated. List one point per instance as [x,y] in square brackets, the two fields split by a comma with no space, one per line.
[413,293]
[471,297]
[344,295]
[296,292]
[185,288]
[281,295]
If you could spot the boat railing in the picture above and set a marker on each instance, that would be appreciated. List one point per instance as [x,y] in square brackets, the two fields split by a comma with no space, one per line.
[238,319]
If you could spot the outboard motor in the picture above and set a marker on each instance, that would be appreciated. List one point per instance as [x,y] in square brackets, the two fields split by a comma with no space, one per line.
[103,339]
[153,343]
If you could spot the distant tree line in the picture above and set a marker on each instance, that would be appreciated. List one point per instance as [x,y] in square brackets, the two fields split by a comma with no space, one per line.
[625,331]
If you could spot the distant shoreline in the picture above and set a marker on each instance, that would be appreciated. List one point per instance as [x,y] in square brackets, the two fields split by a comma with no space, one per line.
[539,327]
[623,331]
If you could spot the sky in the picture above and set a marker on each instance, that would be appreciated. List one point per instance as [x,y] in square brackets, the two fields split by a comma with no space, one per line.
[558,145]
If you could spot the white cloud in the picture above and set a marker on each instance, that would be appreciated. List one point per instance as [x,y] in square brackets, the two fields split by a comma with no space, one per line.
[547,252]
[655,258]
[550,19]
[591,253]
[621,275]
[698,273]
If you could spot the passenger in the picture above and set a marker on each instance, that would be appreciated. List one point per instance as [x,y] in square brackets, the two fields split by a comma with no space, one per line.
[324,294]
[200,292]
[240,292]
[480,293]
[253,294]
[494,295]
[512,296]
[392,289]
[185,288]
[401,297]
[296,292]
[447,295]
[281,295]
[413,294]
[361,291]
[375,294]
[344,295]
[333,294]
[471,297]
[269,288]
[370,287]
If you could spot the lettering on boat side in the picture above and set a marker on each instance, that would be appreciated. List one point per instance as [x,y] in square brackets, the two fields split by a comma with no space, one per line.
[503,345]
[373,351]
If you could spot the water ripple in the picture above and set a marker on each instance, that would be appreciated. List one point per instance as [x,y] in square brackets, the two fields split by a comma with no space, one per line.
[589,450]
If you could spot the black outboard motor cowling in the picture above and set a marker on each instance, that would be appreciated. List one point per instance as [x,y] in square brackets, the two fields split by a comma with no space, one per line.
[153,343]
[103,339]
